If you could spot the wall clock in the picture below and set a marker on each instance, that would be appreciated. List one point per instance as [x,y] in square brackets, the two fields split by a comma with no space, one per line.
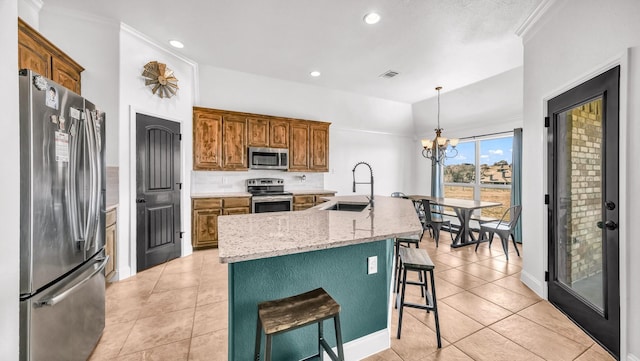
[160,79]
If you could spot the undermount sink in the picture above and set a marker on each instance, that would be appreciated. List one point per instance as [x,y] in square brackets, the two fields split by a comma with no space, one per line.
[349,207]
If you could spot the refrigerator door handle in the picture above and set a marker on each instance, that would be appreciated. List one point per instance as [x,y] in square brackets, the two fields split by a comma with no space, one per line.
[92,215]
[72,201]
[52,301]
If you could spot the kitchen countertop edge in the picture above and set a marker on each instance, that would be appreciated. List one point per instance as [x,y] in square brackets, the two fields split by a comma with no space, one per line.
[238,243]
[221,195]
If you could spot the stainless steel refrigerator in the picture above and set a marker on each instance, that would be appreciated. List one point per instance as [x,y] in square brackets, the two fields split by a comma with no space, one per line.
[62,229]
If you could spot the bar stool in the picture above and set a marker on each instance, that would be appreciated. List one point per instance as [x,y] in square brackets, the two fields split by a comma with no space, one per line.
[297,311]
[412,259]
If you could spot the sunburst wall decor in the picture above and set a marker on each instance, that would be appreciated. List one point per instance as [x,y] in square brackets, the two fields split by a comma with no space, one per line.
[160,79]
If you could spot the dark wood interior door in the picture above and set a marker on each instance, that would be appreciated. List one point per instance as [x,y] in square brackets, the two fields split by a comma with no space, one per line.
[158,191]
[583,207]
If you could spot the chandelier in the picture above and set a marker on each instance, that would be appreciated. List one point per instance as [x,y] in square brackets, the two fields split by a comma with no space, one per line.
[436,148]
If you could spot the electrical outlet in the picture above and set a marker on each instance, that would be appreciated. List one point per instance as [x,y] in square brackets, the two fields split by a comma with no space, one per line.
[372,265]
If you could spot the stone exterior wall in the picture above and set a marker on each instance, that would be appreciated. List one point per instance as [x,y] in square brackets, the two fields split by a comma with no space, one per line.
[585,238]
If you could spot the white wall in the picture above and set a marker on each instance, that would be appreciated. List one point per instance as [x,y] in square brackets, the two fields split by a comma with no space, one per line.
[9,182]
[134,97]
[570,43]
[93,43]
[363,128]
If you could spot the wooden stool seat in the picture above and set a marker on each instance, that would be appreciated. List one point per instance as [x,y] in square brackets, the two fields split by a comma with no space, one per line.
[298,311]
[416,259]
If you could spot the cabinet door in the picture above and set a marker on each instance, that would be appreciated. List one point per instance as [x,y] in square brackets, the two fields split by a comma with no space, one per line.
[65,75]
[299,149]
[207,140]
[110,250]
[238,210]
[319,147]
[234,135]
[279,133]
[257,132]
[32,55]
[205,227]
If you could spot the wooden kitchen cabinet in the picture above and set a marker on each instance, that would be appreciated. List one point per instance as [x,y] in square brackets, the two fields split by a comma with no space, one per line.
[221,139]
[207,140]
[279,133]
[302,202]
[271,133]
[236,205]
[257,132]
[299,145]
[37,53]
[319,147]
[111,244]
[306,201]
[234,142]
[204,217]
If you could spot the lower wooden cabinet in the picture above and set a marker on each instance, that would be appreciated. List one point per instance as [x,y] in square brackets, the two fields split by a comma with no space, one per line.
[306,201]
[204,217]
[110,247]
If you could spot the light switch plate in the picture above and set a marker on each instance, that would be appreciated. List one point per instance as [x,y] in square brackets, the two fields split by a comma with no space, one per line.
[372,265]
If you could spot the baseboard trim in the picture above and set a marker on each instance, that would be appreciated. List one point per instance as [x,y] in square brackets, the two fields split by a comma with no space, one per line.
[365,346]
[122,273]
[533,283]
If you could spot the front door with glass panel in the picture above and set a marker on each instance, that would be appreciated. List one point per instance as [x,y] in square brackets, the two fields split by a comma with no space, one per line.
[583,207]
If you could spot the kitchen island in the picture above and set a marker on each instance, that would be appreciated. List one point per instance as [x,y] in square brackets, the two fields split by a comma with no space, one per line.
[276,255]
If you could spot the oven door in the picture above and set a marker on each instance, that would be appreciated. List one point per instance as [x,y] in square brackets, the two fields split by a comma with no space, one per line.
[262,204]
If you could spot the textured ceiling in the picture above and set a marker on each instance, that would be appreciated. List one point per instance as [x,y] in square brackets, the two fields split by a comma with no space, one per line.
[429,42]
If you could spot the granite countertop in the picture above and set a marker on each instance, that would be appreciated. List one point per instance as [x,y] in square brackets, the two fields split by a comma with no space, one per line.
[310,191]
[220,195]
[254,236]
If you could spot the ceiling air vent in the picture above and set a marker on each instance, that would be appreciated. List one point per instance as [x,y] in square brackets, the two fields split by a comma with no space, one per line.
[389,74]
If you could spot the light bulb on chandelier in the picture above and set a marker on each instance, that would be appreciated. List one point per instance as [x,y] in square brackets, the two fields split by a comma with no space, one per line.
[436,148]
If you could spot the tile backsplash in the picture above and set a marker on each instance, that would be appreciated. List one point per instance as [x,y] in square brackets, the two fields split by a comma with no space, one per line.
[227,182]
[113,184]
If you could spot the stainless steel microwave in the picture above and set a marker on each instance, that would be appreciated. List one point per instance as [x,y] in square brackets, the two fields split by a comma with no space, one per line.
[268,158]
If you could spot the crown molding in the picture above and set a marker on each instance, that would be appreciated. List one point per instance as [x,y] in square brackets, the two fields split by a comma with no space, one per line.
[534,18]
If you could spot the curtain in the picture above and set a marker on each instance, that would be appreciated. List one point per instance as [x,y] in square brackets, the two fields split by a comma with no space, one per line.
[516,178]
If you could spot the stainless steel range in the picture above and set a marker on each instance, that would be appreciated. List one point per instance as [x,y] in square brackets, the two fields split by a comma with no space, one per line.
[268,195]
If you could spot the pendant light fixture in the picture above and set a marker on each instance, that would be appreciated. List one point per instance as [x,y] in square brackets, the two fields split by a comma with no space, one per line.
[436,149]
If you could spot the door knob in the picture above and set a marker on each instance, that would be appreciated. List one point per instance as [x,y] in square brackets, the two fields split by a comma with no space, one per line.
[141,200]
[611,225]
[610,205]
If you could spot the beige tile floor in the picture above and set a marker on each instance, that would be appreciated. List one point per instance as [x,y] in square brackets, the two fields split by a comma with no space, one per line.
[178,311]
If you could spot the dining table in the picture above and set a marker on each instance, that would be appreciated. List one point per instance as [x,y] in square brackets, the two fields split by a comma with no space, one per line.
[464,209]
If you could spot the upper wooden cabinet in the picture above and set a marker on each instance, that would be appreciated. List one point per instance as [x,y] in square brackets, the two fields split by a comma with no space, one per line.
[319,147]
[234,142]
[279,133]
[257,132]
[207,140]
[272,133]
[299,145]
[36,53]
[221,139]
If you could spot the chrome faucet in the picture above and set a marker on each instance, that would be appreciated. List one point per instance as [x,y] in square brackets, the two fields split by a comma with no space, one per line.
[370,182]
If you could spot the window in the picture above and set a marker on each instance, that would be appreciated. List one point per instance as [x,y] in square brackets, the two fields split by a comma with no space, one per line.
[481,171]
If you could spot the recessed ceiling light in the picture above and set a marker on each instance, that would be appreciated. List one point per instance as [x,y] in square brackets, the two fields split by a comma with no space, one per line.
[315,73]
[176,44]
[371,18]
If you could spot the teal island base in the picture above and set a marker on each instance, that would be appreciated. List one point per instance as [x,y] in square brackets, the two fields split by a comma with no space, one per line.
[341,271]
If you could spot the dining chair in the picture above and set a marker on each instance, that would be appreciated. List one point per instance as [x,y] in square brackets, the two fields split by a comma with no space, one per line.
[434,222]
[503,228]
